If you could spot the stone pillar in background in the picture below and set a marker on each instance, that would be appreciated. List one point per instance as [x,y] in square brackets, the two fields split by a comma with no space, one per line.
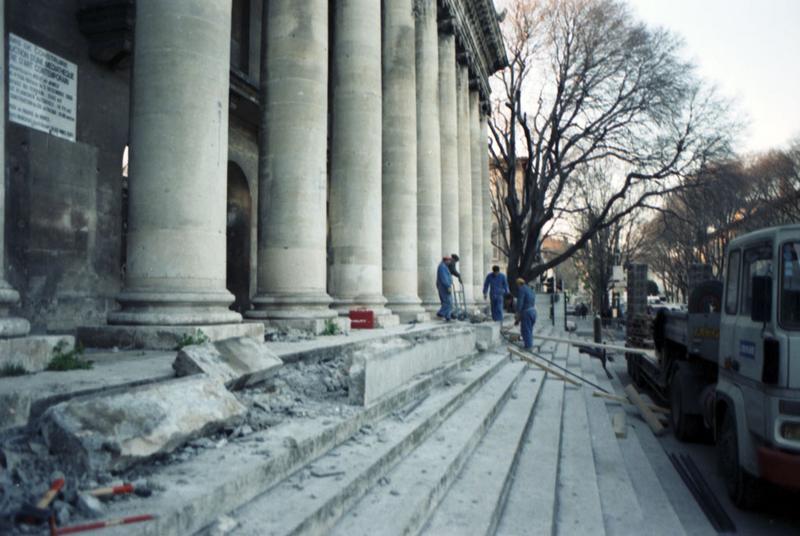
[355,202]
[175,279]
[9,326]
[487,200]
[399,157]
[292,256]
[464,185]
[448,130]
[476,148]
[429,171]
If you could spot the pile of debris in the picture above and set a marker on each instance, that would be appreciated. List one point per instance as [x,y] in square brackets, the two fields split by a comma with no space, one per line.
[87,452]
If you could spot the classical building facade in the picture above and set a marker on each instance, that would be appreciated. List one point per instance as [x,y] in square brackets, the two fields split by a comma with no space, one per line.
[289,160]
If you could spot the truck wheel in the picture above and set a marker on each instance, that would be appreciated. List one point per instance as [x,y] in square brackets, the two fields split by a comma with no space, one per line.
[744,490]
[685,426]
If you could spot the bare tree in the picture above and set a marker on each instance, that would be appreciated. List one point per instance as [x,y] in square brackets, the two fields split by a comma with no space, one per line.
[588,85]
[616,244]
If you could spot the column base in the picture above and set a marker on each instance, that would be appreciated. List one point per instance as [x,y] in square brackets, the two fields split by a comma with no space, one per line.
[33,353]
[10,326]
[13,327]
[150,308]
[409,311]
[164,337]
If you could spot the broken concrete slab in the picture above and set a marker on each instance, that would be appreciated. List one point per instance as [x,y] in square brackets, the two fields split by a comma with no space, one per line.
[381,366]
[237,363]
[34,352]
[25,398]
[115,431]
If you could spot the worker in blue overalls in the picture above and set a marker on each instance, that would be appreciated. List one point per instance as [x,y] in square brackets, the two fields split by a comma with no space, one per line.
[444,284]
[526,311]
[497,286]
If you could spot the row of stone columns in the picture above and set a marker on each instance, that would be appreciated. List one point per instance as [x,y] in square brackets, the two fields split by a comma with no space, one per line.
[405,149]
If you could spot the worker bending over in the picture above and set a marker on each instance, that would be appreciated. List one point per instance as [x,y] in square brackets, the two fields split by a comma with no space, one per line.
[526,311]
[497,286]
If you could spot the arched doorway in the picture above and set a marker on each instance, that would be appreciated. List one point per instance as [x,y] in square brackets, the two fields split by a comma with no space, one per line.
[238,241]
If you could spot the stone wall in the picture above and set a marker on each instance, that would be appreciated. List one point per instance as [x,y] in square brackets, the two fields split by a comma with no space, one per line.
[64,199]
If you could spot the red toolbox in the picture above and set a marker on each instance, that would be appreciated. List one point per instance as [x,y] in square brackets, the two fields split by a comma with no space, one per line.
[362,319]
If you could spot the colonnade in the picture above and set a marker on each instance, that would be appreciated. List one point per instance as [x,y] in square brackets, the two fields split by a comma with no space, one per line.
[372,163]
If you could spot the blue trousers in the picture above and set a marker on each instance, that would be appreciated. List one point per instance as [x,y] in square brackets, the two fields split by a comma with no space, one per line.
[497,307]
[527,320]
[446,310]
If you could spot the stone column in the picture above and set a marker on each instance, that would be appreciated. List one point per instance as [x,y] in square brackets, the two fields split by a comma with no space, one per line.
[292,256]
[355,203]
[9,326]
[399,199]
[448,130]
[179,156]
[476,148]
[487,200]
[429,171]
[465,185]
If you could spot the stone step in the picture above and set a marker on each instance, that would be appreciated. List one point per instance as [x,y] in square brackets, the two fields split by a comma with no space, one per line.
[531,502]
[187,504]
[477,497]
[622,514]
[311,500]
[417,484]
[578,496]
[658,488]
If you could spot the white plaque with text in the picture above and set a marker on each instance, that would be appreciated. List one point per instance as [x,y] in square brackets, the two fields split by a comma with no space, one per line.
[42,89]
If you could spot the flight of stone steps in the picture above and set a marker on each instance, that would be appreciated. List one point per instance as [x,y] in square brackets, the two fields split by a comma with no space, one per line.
[499,448]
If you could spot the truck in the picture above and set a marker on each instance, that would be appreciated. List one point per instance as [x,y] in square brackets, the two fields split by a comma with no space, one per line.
[730,365]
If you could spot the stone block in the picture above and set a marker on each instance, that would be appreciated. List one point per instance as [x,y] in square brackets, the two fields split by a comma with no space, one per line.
[162,337]
[33,352]
[237,363]
[487,334]
[113,432]
[380,367]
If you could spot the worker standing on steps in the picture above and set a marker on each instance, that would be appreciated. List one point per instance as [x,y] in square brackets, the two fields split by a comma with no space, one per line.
[526,311]
[444,284]
[497,286]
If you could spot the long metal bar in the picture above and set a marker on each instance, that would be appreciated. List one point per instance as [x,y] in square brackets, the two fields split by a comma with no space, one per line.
[539,356]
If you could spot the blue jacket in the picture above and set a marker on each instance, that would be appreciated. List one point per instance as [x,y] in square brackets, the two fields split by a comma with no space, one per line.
[498,284]
[443,277]
[525,298]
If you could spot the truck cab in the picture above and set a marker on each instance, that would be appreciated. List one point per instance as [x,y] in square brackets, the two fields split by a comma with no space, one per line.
[756,404]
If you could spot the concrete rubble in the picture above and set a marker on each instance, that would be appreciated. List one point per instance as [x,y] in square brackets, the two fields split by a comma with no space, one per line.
[113,432]
[239,406]
[237,363]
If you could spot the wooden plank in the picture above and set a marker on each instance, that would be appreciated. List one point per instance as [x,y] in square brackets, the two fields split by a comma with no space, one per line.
[585,342]
[526,357]
[622,400]
[620,426]
[649,416]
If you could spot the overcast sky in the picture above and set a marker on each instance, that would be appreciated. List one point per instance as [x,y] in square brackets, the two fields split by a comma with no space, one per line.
[750,49]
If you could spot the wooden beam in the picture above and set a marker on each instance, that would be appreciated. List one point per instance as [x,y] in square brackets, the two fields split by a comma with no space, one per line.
[525,357]
[649,416]
[584,342]
[623,400]
[620,426]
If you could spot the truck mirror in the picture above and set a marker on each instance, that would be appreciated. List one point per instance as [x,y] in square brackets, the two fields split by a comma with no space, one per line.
[762,298]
